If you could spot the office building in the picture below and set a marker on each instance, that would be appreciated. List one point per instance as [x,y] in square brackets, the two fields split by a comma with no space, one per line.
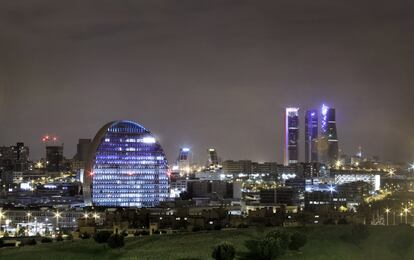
[54,158]
[329,135]
[311,136]
[126,167]
[291,151]
[183,161]
[82,149]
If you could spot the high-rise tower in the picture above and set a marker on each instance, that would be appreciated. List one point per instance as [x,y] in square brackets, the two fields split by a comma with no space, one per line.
[311,135]
[183,161]
[328,126]
[291,151]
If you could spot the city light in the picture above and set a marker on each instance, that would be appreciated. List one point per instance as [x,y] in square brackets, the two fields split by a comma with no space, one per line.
[148,140]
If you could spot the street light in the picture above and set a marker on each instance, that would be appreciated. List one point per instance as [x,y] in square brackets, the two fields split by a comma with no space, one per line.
[406,211]
[57,216]
[387,210]
[1,218]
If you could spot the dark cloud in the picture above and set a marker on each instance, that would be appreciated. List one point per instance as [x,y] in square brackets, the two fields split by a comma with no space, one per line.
[208,73]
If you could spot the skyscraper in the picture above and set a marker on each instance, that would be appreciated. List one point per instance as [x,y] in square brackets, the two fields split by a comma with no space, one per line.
[291,153]
[213,160]
[126,167]
[328,126]
[311,135]
[183,161]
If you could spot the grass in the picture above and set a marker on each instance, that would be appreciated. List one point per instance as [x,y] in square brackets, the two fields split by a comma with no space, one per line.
[323,243]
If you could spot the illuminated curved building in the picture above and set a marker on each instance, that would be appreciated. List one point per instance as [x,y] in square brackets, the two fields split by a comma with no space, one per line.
[126,167]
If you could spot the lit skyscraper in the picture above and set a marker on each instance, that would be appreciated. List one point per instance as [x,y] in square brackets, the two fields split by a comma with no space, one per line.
[213,160]
[328,126]
[291,153]
[126,167]
[183,161]
[311,136]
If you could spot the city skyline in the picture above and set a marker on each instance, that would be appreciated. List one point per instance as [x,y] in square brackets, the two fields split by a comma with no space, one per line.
[201,83]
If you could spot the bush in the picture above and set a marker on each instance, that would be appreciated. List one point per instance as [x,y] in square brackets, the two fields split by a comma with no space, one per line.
[329,221]
[358,233]
[196,228]
[141,233]
[282,236]
[1,242]
[102,237]
[85,235]
[69,237]
[242,225]
[59,238]
[342,221]
[29,242]
[268,248]
[116,241]
[46,240]
[224,251]
[297,240]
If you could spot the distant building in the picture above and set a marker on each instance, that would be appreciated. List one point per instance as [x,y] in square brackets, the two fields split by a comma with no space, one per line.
[82,149]
[236,167]
[291,151]
[183,161]
[54,158]
[14,158]
[311,136]
[213,161]
[282,195]
[328,127]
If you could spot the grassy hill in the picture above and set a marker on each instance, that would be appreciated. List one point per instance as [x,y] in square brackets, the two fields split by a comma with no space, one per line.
[323,243]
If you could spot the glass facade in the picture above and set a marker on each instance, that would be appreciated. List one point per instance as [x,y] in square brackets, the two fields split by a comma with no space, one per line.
[128,169]
[291,153]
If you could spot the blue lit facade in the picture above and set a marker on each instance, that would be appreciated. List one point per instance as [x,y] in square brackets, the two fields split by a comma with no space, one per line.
[291,151]
[126,167]
[328,127]
[311,136]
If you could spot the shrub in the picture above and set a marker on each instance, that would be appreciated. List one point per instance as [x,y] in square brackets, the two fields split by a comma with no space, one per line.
[329,221]
[357,234]
[69,237]
[141,233]
[242,225]
[102,237]
[342,221]
[224,251]
[297,240]
[85,235]
[196,228]
[29,242]
[268,248]
[59,237]
[282,236]
[46,240]
[1,242]
[116,241]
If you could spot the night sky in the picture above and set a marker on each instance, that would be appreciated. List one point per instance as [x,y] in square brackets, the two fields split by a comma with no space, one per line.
[208,73]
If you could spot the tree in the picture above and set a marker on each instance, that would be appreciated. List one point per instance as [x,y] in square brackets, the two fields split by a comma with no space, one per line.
[297,240]
[101,237]
[116,241]
[224,251]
